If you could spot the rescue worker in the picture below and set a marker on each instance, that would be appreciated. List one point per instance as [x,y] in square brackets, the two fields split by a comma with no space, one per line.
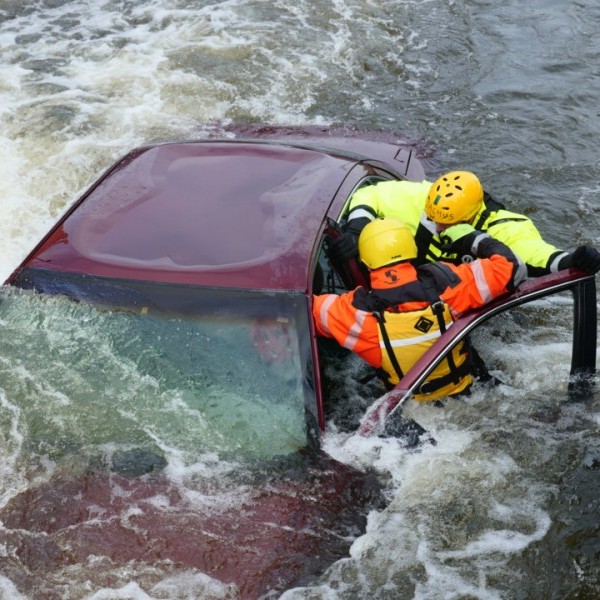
[408,307]
[456,197]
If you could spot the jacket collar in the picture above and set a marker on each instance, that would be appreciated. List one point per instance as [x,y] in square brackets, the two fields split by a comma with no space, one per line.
[392,276]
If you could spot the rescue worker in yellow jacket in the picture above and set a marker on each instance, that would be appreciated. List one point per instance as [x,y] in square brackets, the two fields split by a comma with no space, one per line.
[391,325]
[456,197]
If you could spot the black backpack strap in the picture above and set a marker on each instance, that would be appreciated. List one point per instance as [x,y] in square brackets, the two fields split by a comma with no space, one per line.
[423,239]
[434,277]
[388,344]
[491,205]
[433,385]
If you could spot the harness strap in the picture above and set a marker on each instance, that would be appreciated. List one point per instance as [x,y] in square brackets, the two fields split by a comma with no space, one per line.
[485,215]
[437,306]
[423,239]
[439,382]
[438,310]
[491,205]
[388,345]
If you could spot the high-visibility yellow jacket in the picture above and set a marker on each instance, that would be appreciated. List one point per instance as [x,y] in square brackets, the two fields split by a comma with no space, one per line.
[405,201]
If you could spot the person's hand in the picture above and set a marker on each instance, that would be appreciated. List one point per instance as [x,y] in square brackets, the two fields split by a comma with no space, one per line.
[458,239]
[585,258]
[343,248]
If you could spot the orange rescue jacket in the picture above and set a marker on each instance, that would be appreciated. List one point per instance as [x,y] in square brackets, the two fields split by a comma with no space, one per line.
[403,296]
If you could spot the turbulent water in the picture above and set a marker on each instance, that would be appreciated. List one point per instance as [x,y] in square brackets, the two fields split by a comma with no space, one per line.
[505,505]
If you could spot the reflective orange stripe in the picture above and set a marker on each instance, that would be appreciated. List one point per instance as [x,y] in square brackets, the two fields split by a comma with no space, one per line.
[325,302]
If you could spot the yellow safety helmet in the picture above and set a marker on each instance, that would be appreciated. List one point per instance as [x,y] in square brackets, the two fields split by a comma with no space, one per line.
[455,197]
[384,242]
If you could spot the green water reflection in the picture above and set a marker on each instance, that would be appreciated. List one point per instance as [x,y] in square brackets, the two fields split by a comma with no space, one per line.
[78,378]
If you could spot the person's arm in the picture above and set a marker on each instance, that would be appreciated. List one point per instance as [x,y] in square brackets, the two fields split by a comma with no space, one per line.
[395,199]
[520,234]
[496,271]
[336,317]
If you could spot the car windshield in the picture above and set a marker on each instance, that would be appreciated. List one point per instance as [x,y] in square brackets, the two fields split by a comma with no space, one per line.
[222,374]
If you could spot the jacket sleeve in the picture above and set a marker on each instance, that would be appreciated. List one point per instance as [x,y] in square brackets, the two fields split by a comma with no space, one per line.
[336,317]
[481,281]
[520,234]
[402,200]
[487,247]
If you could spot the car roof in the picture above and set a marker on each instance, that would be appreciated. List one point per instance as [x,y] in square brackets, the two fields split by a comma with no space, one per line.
[226,213]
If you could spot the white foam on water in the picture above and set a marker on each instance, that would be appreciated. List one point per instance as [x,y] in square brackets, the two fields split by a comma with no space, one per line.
[186,585]
[467,482]
[445,574]
[505,541]
[74,97]
[9,591]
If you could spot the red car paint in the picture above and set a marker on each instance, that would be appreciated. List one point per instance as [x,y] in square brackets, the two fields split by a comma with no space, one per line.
[225,215]
[281,534]
[208,213]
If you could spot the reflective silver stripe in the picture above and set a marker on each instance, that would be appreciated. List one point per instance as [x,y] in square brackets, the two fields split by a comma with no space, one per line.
[324,312]
[412,341]
[358,213]
[355,330]
[554,264]
[476,243]
[416,339]
[520,272]
[481,281]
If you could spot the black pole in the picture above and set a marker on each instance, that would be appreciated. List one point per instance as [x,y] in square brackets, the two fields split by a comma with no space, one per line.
[583,360]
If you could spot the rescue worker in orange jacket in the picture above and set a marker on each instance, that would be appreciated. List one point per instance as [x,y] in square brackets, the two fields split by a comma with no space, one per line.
[455,197]
[391,325]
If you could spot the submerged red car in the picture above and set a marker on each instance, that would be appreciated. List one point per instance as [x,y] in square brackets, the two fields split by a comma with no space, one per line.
[206,255]
[175,408]
[229,234]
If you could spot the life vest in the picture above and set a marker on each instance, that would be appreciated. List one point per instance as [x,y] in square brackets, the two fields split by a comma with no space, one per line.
[409,335]
[405,335]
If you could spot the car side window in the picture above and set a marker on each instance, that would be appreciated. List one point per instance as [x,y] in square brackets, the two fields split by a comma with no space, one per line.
[329,277]
[367,181]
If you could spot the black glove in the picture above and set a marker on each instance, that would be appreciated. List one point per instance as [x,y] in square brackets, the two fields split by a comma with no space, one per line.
[585,258]
[458,239]
[343,248]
